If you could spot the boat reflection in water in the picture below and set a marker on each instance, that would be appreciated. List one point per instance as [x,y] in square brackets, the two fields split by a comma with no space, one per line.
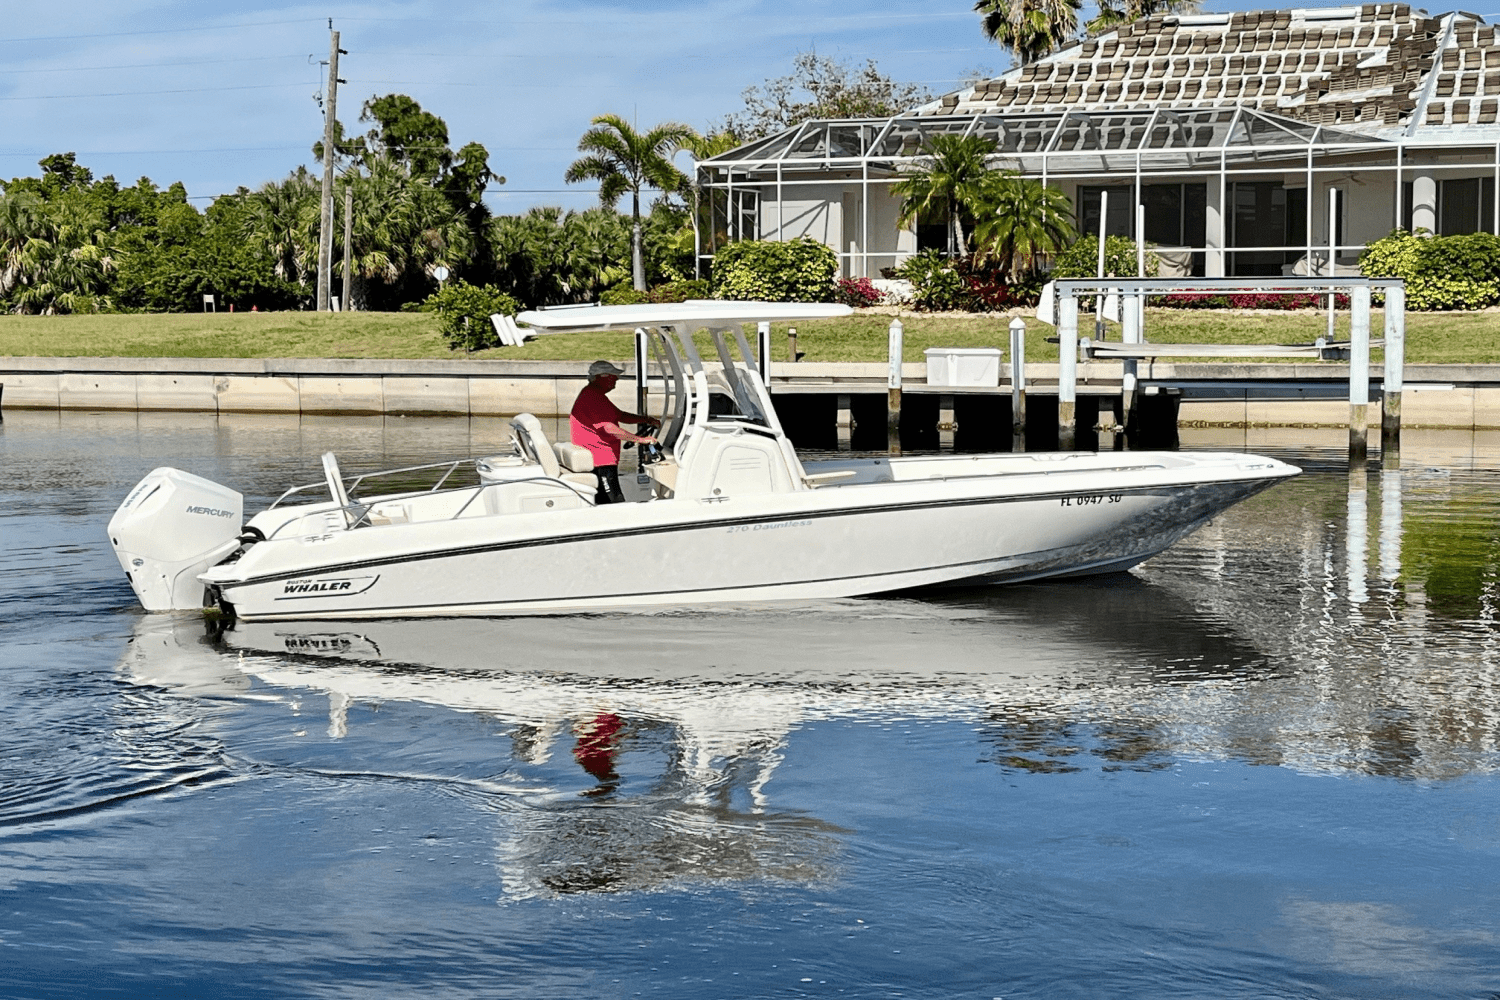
[705,703]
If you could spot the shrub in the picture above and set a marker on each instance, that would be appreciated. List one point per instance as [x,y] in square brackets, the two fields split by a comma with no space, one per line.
[623,295]
[1081,260]
[680,291]
[990,288]
[464,310]
[860,293]
[935,282]
[1441,272]
[940,282]
[799,270]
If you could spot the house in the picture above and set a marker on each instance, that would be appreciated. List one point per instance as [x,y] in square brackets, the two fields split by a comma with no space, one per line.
[1251,143]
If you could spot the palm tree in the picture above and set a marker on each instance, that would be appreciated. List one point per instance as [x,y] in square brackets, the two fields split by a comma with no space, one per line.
[403,228]
[1117,12]
[1029,28]
[622,159]
[19,222]
[1019,220]
[949,177]
[703,147]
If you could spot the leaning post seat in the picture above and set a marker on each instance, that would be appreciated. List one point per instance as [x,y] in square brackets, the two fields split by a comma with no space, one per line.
[534,444]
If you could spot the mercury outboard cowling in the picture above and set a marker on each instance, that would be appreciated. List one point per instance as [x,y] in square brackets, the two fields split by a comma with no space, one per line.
[173,526]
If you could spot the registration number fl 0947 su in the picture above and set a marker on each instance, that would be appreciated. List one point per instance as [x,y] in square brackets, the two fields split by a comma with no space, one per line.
[1090,499]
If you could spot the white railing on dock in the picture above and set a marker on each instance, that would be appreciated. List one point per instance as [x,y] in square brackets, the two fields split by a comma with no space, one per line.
[1134,292]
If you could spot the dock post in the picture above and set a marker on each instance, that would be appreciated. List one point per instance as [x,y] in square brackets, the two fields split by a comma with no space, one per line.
[1018,384]
[1395,372]
[845,423]
[1067,370]
[1130,316]
[895,349]
[1359,372]
[946,422]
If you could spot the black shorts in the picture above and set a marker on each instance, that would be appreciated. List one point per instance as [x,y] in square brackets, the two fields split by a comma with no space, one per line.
[609,484]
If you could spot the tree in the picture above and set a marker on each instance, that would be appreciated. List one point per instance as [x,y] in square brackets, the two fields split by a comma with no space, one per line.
[819,87]
[949,177]
[1113,13]
[702,147]
[416,139]
[1018,220]
[1029,28]
[551,257]
[622,159]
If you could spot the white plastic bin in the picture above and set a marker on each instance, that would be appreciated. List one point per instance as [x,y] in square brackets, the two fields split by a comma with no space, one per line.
[963,366]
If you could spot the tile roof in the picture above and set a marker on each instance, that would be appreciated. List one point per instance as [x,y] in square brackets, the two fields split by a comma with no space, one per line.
[1383,70]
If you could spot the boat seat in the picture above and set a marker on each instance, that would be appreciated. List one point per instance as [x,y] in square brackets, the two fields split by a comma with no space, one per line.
[572,457]
[534,443]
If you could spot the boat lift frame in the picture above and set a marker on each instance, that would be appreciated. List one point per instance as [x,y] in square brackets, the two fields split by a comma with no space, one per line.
[1134,292]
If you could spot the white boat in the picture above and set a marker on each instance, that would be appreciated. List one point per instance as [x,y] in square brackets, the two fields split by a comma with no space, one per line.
[727,513]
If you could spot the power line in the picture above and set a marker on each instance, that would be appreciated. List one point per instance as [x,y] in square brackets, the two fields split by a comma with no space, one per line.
[155,65]
[152,93]
[162,31]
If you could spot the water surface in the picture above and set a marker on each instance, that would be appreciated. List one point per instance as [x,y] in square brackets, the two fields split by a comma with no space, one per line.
[1261,765]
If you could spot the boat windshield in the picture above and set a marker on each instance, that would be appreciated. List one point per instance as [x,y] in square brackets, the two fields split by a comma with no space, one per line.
[686,391]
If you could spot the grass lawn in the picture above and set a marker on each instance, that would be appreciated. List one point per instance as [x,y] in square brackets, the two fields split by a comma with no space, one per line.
[1431,337]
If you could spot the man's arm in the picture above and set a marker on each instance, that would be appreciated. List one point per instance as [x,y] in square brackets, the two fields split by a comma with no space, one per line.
[615,430]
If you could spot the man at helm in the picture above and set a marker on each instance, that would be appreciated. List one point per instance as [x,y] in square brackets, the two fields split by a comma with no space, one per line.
[594,424]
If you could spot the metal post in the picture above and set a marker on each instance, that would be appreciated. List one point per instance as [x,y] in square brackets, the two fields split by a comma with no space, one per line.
[1395,372]
[1067,370]
[895,348]
[1140,228]
[1359,372]
[348,241]
[640,370]
[763,351]
[1103,237]
[1333,209]
[1018,384]
[1130,315]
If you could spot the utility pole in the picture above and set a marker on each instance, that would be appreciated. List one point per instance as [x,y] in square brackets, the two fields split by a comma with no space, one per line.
[330,129]
[348,299]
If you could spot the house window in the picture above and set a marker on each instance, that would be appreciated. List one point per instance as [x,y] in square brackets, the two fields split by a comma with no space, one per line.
[1265,214]
[1121,210]
[744,215]
[1465,205]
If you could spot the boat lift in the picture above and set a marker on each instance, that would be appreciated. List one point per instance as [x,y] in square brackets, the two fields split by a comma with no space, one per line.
[1134,292]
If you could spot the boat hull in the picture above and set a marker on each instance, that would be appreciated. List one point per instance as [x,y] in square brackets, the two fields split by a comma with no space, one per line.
[809,545]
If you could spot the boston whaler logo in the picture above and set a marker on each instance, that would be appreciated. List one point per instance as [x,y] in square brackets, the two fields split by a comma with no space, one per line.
[341,586]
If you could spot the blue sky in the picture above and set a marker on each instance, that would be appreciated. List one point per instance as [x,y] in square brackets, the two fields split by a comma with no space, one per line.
[221,95]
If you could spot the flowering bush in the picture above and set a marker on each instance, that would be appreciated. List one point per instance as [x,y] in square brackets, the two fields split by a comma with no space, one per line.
[940,283]
[1247,300]
[857,292]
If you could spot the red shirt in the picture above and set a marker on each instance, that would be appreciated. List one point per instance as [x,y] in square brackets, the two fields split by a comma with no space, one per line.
[591,411]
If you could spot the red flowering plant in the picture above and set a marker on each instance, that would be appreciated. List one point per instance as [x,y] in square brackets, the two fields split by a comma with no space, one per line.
[860,293]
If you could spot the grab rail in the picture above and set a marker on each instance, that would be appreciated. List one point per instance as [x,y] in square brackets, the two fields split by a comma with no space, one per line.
[357,480]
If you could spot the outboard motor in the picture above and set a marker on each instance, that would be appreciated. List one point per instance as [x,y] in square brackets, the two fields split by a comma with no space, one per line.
[173,526]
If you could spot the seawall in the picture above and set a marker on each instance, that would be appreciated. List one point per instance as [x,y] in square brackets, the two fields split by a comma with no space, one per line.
[1225,394]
